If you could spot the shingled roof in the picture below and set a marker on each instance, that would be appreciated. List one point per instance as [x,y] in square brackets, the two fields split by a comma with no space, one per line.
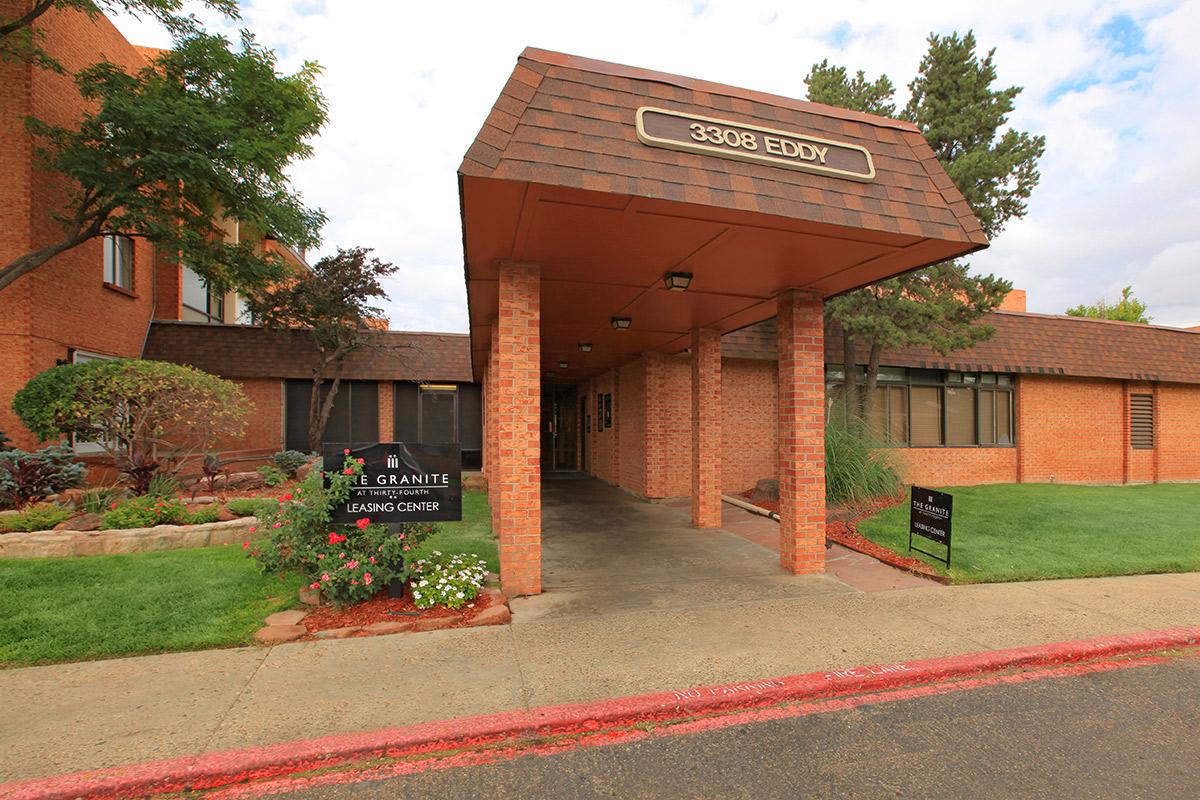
[1029,343]
[249,351]
[567,121]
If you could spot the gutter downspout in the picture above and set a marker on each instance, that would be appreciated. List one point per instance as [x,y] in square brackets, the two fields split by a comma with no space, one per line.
[153,302]
[753,509]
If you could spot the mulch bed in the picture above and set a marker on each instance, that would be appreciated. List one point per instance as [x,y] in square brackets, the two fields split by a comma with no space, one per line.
[842,529]
[382,608]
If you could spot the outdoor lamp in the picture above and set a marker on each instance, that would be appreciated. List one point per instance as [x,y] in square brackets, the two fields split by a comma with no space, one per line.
[621,323]
[677,281]
[585,347]
[562,365]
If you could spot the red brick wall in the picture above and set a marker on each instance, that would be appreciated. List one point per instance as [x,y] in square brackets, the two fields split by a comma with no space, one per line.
[63,304]
[1178,434]
[264,423]
[631,433]
[602,445]
[955,466]
[1070,430]
[750,428]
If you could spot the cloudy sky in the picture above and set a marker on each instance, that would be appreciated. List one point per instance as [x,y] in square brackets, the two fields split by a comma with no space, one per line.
[1110,84]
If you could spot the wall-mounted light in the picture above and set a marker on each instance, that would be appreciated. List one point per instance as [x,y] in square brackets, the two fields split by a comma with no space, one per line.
[677,281]
[562,365]
[622,323]
[585,347]
[549,373]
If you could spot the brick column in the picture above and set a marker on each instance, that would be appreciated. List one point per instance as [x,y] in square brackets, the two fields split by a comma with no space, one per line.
[706,428]
[801,433]
[657,409]
[517,505]
[387,415]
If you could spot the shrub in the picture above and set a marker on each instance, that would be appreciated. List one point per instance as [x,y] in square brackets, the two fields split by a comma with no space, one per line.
[204,514]
[272,475]
[145,511]
[100,499]
[146,415]
[349,563]
[290,461]
[35,518]
[857,467]
[451,580]
[28,477]
[252,506]
[163,485]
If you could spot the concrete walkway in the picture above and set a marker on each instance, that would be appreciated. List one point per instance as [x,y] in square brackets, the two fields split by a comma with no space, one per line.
[615,634]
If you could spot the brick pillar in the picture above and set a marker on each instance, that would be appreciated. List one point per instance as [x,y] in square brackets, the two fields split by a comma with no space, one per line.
[517,505]
[615,449]
[801,433]
[706,428]
[387,415]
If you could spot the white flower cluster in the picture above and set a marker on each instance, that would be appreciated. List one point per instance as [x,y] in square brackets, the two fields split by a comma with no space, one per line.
[451,580]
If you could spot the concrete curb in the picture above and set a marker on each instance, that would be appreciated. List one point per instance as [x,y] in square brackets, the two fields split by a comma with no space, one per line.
[211,770]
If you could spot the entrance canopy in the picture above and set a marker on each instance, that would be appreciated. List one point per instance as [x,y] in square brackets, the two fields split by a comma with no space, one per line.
[608,177]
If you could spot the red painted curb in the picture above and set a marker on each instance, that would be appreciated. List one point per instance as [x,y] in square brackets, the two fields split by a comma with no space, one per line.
[210,770]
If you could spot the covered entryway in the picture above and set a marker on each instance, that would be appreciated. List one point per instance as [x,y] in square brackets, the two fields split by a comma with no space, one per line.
[614,215]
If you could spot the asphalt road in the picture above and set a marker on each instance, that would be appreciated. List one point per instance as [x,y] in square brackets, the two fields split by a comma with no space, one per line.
[1130,733]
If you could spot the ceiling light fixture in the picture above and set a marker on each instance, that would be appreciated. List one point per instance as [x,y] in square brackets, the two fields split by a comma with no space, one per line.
[677,281]
[562,365]
[622,323]
[585,347]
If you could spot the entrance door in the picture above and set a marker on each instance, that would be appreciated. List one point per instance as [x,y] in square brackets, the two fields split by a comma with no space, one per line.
[559,428]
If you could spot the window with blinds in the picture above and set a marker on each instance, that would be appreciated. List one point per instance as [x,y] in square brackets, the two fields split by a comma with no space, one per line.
[1141,421]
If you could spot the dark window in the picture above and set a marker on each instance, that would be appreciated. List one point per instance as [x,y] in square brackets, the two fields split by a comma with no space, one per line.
[353,418]
[1141,421]
[934,408]
[441,414]
[200,303]
[118,261]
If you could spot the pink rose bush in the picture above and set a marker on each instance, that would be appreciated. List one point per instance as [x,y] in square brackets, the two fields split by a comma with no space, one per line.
[348,563]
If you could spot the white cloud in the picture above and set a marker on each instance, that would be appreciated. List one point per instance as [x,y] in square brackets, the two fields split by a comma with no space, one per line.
[409,85]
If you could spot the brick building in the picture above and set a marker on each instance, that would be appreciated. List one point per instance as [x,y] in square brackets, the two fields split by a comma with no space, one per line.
[647,256]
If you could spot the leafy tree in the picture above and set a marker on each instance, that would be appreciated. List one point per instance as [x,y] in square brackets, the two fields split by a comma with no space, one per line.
[960,115]
[145,415]
[1127,309]
[333,302]
[203,133]
[21,39]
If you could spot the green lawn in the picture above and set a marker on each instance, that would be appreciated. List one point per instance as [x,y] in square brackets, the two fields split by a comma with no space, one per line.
[1013,532]
[70,609]
[472,535]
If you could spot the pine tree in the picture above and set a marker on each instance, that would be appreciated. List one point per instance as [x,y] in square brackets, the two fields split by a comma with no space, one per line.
[960,114]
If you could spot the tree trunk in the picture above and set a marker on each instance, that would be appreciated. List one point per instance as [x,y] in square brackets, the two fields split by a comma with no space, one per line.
[872,398]
[849,384]
[318,411]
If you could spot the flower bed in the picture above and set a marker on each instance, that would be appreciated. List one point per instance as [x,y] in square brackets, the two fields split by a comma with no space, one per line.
[382,608]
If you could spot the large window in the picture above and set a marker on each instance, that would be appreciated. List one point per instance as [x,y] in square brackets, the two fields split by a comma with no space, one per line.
[935,408]
[441,413]
[200,303]
[118,261]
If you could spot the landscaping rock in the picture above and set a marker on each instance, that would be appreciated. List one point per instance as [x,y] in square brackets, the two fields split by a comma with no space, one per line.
[244,480]
[70,497]
[81,522]
[302,473]
[203,500]
[766,489]
[311,597]
[492,579]
[436,623]
[475,481]
[291,617]
[225,515]
[278,634]
[493,615]
[338,633]
[383,628]
[496,596]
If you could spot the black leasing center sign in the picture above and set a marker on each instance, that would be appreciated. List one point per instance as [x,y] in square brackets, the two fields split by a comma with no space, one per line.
[400,482]
[929,517]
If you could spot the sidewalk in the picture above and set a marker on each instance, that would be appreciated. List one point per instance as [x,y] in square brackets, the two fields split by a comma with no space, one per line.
[89,715]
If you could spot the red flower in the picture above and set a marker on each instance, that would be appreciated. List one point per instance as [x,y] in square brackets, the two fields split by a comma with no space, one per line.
[114,505]
[367,578]
[361,461]
[362,523]
[246,545]
[285,498]
[314,585]
[336,538]
[348,471]
[346,452]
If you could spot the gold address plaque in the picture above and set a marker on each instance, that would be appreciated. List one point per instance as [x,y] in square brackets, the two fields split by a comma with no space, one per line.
[676,130]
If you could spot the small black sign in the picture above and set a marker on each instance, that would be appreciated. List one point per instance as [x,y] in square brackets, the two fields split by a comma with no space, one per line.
[608,411]
[929,516]
[400,482]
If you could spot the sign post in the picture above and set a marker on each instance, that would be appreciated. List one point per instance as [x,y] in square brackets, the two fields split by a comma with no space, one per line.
[929,517]
[400,482]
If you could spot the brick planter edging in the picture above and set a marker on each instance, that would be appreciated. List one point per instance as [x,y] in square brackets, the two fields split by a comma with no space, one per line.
[64,544]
